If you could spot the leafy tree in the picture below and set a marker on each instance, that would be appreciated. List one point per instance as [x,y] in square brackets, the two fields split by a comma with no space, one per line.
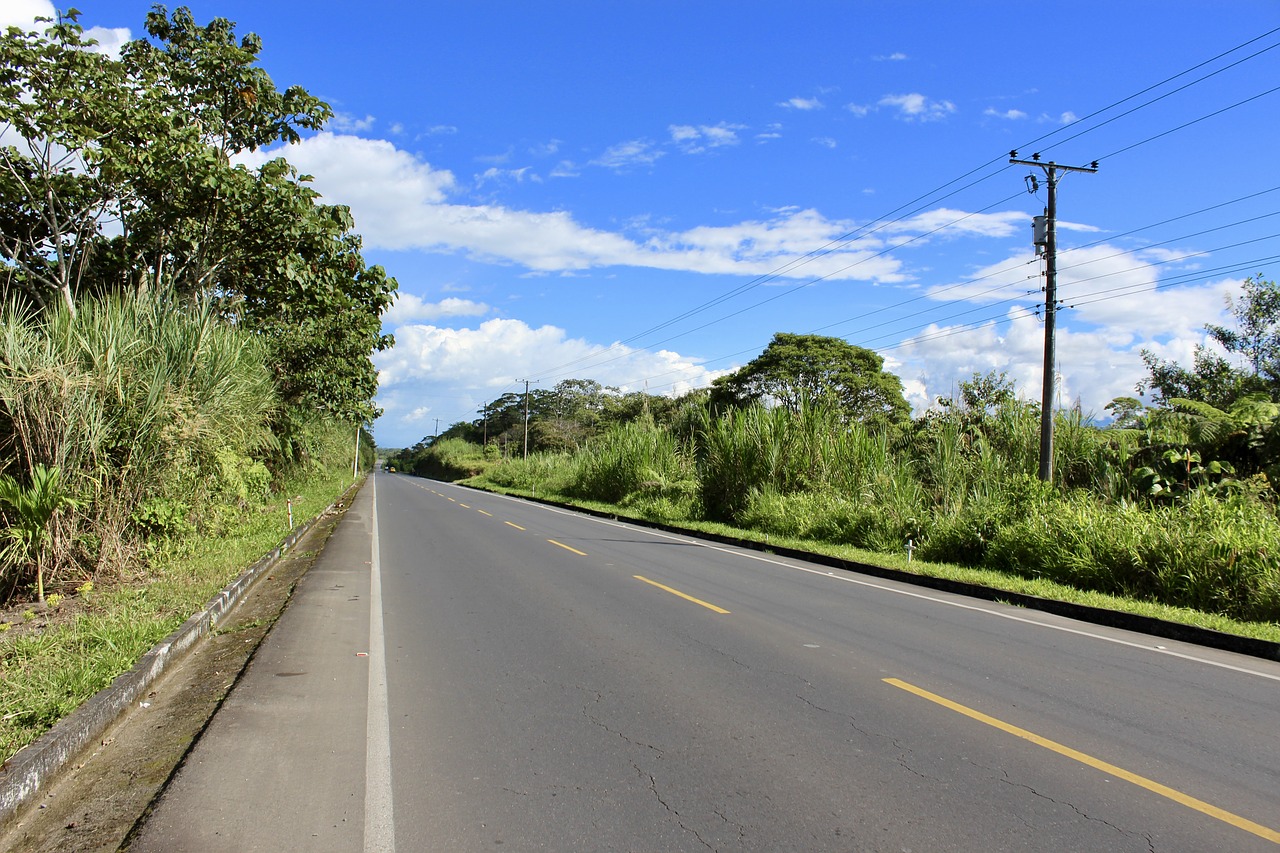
[798,369]
[1212,379]
[144,145]
[1256,335]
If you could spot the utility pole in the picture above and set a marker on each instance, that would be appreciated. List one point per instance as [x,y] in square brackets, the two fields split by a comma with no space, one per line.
[526,420]
[435,435]
[1050,243]
[355,462]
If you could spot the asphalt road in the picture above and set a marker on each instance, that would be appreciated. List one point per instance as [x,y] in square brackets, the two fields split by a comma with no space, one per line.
[462,671]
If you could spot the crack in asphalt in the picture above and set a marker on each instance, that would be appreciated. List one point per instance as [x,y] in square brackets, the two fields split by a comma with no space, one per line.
[596,721]
[1004,777]
[653,788]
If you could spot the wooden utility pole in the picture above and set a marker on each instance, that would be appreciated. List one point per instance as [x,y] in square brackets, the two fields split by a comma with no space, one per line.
[1050,244]
[526,420]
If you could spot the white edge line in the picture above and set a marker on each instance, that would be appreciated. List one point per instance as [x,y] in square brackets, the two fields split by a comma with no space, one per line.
[827,574]
[379,819]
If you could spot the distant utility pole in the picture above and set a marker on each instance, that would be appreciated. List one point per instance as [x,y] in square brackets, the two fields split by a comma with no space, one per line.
[526,420]
[436,434]
[1049,240]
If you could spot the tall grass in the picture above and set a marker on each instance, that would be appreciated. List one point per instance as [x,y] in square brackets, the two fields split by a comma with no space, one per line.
[149,409]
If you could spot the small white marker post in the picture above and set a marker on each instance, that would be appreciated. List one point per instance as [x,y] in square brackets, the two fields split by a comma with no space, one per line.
[289,503]
[910,549]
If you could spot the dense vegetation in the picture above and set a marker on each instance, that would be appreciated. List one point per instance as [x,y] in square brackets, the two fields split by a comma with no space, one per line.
[1174,503]
[180,337]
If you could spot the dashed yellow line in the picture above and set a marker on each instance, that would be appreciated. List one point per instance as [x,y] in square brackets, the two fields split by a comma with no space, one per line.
[567,548]
[685,596]
[464,506]
[513,524]
[482,512]
[1110,769]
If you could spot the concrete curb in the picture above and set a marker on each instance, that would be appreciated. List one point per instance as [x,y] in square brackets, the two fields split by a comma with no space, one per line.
[1084,613]
[41,762]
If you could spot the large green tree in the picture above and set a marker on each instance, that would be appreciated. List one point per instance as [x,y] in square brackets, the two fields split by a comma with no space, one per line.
[119,175]
[795,370]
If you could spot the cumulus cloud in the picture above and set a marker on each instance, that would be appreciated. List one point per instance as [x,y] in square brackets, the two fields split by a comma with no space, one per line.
[896,56]
[23,13]
[347,123]
[693,139]
[1111,313]
[401,202]
[803,104]
[459,370]
[1011,115]
[917,107]
[409,308]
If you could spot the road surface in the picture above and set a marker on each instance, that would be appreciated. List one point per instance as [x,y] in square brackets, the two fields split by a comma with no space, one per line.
[462,671]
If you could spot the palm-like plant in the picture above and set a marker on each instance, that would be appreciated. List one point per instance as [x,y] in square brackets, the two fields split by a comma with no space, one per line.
[30,531]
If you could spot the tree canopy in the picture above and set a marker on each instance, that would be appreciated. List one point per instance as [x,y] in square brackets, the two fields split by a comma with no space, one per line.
[795,370]
[118,176]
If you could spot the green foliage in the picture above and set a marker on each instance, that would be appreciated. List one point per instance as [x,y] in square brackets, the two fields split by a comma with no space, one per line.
[30,530]
[798,370]
[1214,554]
[146,143]
[135,401]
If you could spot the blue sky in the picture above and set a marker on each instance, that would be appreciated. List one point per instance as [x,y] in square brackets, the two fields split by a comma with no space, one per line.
[644,193]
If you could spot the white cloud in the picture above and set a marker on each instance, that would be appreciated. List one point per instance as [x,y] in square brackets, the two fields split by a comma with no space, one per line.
[545,149]
[825,141]
[23,13]
[1063,118]
[494,174]
[409,308]
[858,110]
[565,169]
[897,56]
[441,130]
[1012,115]
[801,104]
[400,202]
[1112,311]
[627,155]
[917,107]
[459,370]
[693,139]
[952,223]
[347,123]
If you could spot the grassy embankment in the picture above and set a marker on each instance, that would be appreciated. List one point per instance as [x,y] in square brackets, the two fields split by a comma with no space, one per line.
[85,640]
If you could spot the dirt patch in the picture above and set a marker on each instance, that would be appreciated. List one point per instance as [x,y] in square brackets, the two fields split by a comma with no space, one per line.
[96,803]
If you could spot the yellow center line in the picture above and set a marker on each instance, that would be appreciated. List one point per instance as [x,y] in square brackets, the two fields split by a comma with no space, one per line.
[482,512]
[451,500]
[511,524]
[1119,772]
[464,506]
[685,596]
[567,548]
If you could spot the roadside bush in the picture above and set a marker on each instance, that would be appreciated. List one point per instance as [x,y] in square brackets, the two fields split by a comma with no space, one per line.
[632,458]
[1213,554]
